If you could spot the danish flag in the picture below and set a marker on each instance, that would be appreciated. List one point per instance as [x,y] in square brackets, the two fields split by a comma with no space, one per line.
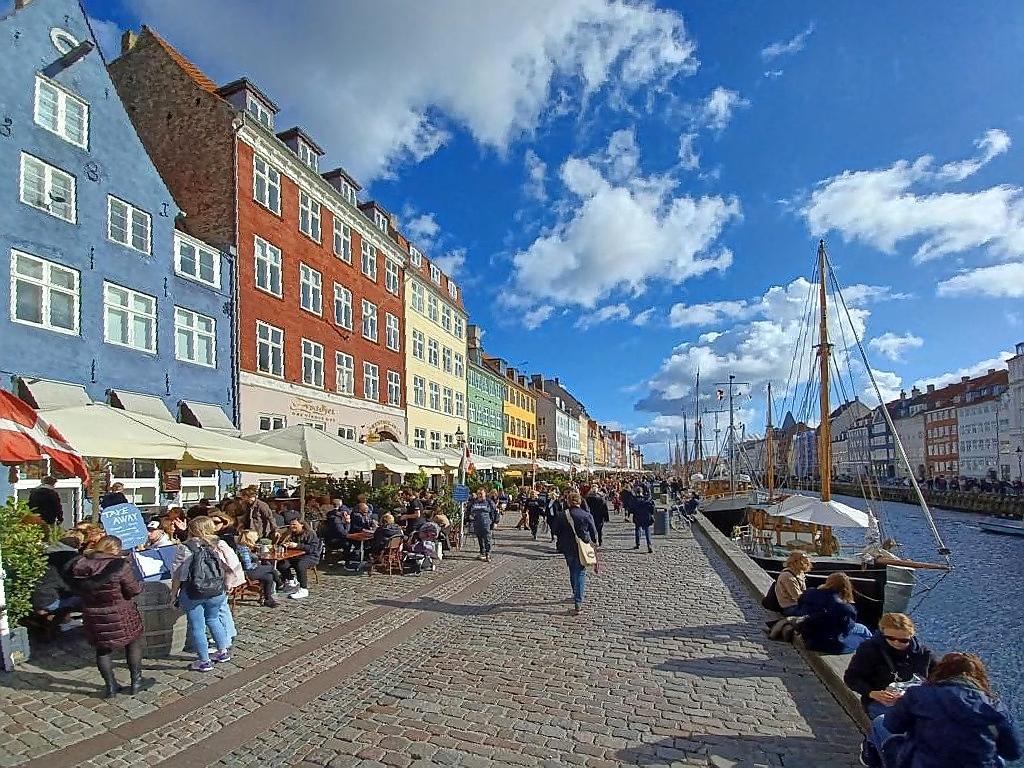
[26,436]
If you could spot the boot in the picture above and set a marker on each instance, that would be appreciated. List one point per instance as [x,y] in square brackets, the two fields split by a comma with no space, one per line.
[139,683]
[110,686]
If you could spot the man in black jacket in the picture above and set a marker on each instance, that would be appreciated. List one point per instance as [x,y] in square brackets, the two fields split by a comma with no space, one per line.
[45,501]
[598,508]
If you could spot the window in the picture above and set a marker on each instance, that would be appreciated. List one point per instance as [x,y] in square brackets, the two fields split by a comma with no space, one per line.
[369,260]
[271,421]
[259,110]
[342,240]
[381,221]
[342,306]
[417,344]
[195,260]
[419,438]
[44,294]
[195,338]
[47,188]
[391,277]
[391,332]
[310,293]
[435,274]
[460,366]
[268,267]
[348,192]
[371,382]
[460,327]
[129,318]
[269,350]
[446,317]
[418,296]
[435,396]
[432,353]
[369,320]
[348,433]
[59,112]
[309,216]
[344,374]
[312,363]
[449,440]
[415,257]
[435,441]
[447,400]
[419,391]
[308,155]
[432,307]
[266,185]
[453,290]
[446,359]
[394,389]
[460,404]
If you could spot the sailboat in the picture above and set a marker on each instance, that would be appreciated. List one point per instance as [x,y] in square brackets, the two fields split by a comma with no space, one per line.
[882,581]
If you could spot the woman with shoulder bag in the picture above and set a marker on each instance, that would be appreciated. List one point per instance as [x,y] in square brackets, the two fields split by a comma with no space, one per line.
[573,528]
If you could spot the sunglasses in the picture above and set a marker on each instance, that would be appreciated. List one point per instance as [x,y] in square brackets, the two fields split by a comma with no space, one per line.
[902,640]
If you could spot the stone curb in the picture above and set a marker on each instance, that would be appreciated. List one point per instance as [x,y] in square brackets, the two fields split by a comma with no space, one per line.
[829,669]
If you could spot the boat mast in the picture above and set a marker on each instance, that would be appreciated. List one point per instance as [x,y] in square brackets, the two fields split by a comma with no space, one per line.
[824,350]
[769,463]
[686,452]
[732,440]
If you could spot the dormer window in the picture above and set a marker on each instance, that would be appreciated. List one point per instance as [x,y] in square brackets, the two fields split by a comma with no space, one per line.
[308,155]
[259,110]
[453,290]
[435,274]
[348,192]
[380,220]
[415,257]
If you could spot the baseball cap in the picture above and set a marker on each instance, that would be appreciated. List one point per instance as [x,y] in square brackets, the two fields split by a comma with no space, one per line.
[153,525]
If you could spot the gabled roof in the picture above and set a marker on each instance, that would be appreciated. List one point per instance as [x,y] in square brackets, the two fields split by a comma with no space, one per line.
[339,171]
[190,69]
[296,131]
[244,82]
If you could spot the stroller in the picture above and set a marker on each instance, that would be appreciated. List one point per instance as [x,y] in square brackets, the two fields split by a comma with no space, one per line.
[427,550]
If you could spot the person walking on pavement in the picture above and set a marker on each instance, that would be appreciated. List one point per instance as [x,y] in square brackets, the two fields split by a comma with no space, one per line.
[45,501]
[598,508]
[535,511]
[484,515]
[643,517]
[574,523]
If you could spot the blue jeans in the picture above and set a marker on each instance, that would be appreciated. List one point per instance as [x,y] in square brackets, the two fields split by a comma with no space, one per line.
[647,534]
[228,620]
[203,615]
[858,634]
[577,578]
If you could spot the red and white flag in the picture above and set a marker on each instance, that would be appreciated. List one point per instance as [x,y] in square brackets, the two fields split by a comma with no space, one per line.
[466,462]
[26,436]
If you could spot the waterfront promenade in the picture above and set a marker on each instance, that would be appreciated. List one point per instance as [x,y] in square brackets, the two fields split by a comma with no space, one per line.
[476,665]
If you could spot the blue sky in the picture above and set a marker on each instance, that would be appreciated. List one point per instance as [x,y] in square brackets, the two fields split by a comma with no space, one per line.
[620,185]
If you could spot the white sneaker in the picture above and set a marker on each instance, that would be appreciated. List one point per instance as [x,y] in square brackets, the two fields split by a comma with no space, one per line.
[298,594]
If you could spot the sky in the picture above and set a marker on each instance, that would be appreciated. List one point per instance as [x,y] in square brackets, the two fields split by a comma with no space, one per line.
[631,191]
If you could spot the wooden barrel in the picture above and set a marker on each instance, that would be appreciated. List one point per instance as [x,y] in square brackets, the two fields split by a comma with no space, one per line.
[164,626]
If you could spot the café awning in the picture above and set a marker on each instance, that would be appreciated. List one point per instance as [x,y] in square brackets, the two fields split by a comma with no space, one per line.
[323,453]
[418,456]
[146,405]
[207,416]
[43,394]
[385,460]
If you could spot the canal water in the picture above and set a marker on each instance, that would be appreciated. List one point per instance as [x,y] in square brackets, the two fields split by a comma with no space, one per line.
[979,606]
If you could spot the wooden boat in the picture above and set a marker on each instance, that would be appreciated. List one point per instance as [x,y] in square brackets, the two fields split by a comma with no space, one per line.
[1004,527]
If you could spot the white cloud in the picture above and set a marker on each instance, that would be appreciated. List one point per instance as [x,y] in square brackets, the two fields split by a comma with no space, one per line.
[993,144]
[773,74]
[422,229]
[717,109]
[603,315]
[642,318]
[977,369]
[998,281]
[452,262]
[619,230]
[893,346]
[536,176]
[787,47]
[883,208]
[383,83]
[706,314]
[533,318]
[688,158]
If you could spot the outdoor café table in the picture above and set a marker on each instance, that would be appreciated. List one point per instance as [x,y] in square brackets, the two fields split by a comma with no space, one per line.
[288,554]
[362,537]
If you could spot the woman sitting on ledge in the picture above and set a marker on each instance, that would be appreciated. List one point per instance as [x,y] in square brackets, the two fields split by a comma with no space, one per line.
[830,619]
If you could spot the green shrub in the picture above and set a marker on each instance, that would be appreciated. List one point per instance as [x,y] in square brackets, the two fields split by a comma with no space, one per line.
[21,546]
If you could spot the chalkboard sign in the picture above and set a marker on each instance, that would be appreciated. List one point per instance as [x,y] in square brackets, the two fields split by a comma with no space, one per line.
[460,494]
[125,522]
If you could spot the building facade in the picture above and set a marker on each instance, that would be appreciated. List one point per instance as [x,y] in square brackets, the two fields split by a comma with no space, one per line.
[320,326]
[520,408]
[979,424]
[106,300]
[805,455]
[910,430]
[882,446]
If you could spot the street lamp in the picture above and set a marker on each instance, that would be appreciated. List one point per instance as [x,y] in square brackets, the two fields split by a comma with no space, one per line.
[460,437]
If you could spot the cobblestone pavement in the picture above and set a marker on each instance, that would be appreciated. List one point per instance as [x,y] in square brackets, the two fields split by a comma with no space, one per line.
[481,666]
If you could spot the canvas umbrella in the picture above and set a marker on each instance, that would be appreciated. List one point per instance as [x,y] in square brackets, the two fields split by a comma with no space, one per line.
[385,460]
[324,454]
[808,509]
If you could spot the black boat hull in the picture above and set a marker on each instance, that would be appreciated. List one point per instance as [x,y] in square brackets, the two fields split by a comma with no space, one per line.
[726,514]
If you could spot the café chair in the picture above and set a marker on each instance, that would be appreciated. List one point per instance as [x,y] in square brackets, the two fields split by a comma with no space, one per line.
[390,558]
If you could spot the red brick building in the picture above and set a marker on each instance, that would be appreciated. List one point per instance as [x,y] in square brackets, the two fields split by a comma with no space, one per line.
[320,336]
[941,422]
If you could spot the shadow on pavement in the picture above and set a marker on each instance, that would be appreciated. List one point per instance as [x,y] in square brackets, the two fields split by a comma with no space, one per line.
[723,666]
[736,752]
[433,605]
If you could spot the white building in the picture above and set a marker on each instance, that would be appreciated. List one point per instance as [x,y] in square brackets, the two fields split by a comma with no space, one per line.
[978,430]
[911,433]
[1014,413]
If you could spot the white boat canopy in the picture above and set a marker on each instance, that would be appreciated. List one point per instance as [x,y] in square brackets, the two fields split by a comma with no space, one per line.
[808,509]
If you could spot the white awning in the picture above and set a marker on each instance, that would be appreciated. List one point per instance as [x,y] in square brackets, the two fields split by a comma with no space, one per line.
[207,416]
[147,405]
[44,394]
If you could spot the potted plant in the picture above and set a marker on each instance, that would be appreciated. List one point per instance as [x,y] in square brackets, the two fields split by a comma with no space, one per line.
[21,547]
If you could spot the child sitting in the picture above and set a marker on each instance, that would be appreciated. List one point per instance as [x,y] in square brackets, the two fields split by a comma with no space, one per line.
[267,575]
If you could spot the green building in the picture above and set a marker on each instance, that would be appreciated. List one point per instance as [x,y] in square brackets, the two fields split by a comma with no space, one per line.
[485,402]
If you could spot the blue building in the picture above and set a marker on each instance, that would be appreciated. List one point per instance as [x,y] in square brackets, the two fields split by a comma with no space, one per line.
[104,300]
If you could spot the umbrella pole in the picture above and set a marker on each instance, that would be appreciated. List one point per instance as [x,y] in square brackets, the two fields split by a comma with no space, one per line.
[5,629]
[302,498]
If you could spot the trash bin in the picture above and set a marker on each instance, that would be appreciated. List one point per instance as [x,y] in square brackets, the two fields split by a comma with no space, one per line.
[661,521]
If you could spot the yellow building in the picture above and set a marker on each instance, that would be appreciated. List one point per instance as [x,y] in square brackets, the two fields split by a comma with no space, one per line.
[520,406]
[600,447]
[435,356]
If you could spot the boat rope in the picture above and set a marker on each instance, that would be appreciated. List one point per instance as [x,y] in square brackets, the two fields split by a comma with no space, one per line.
[926,590]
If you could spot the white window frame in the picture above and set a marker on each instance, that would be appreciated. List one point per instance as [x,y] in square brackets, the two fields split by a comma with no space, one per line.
[132,216]
[433,353]
[369,320]
[271,178]
[271,268]
[150,345]
[419,297]
[460,365]
[46,287]
[48,173]
[307,155]
[415,257]
[310,216]
[187,321]
[433,308]
[453,290]
[435,440]
[342,240]
[434,395]
[446,317]
[368,259]
[271,419]
[435,274]
[380,220]
[313,357]
[419,439]
[446,359]
[419,391]
[391,277]
[344,374]
[348,192]
[448,400]
[200,248]
[460,327]
[343,296]
[311,295]
[347,433]
[392,332]
[371,376]
[394,389]
[419,344]
[460,404]
[63,98]
[259,111]
[271,343]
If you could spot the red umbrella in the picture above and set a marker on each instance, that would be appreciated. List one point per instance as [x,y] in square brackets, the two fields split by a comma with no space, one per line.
[26,436]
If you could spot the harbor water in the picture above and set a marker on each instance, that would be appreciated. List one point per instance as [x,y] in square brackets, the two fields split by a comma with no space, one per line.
[979,606]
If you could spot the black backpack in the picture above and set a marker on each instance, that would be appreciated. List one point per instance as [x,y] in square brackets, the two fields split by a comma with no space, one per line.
[770,601]
[205,577]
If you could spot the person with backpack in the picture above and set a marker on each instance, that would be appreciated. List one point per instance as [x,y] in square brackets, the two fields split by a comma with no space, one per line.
[197,583]
[598,508]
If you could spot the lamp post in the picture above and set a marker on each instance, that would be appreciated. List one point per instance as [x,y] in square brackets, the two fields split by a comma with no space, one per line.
[460,441]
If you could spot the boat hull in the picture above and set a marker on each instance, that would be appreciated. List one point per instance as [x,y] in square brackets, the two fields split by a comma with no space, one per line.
[1004,527]
[725,513]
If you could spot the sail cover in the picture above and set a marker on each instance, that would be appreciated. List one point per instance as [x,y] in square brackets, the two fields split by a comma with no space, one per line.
[807,509]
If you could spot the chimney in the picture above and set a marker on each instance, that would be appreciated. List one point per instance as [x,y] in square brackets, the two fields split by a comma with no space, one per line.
[931,388]
[473,336]
[915,392]
[128,39]
[964,379]
[991,371]
[538,381]
[903,394]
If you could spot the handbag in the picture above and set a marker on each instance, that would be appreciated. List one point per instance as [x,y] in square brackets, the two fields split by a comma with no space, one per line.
[585,550]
